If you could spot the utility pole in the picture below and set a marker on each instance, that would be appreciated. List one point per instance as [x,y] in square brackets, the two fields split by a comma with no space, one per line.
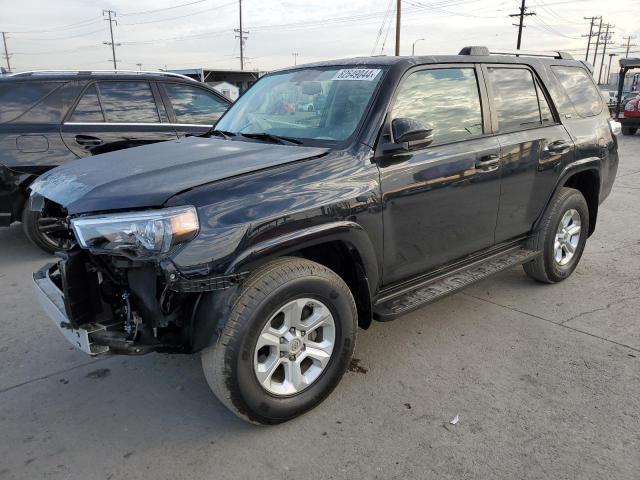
[6,52]
[590,35]
[595,55]
[139,66]
[626,55]
[607,37]
[398,15]
[295,58]
[523,13]
[611,55]
[111,14]
[241,37]
[413,47]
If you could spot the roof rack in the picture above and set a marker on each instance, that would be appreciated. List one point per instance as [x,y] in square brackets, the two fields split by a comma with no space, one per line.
[99,72]
[518,53]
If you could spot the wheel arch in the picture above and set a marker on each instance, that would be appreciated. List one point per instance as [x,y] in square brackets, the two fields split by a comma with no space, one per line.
[343,247]
[583,176]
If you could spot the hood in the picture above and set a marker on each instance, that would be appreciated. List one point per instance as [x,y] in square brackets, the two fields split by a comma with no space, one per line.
[148,176]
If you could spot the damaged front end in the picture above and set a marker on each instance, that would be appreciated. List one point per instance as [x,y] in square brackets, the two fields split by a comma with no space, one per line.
[118,291]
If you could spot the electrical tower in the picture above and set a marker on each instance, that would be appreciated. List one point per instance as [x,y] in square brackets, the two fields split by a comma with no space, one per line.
[523,13]
[590,35]
[111,14]
[241,36]
[6,52]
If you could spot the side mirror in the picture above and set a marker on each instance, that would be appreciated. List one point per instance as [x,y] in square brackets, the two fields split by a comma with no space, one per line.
[409,134]
[412,131]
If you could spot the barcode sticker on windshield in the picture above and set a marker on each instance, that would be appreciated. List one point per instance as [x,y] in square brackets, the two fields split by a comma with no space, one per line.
[367,74]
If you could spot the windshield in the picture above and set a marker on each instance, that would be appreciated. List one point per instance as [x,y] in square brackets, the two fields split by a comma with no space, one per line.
[307,104]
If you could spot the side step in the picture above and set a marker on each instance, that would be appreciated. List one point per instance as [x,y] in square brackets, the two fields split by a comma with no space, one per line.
[404,300]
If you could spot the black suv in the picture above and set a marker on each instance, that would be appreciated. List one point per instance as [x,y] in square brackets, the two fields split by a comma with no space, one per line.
[328,195]
[48,118]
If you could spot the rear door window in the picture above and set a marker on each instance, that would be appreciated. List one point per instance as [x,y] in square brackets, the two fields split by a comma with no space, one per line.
[128,102]
[515,98]
[194,105]
[18,97]
[580,89]
[447,99]
[88,108]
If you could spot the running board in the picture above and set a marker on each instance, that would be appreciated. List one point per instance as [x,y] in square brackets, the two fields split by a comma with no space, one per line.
[404,300]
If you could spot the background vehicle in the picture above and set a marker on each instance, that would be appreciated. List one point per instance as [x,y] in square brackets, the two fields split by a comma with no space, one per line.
[265,245]
[49,118]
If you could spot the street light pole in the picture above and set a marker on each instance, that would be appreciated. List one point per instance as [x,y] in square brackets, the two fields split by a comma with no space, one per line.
[413,47]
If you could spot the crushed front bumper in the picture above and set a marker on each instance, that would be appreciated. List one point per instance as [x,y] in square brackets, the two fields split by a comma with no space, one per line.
[51,299]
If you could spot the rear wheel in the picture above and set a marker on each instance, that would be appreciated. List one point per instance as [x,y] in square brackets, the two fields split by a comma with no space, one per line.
[48,233]
[561,237]
[287,342]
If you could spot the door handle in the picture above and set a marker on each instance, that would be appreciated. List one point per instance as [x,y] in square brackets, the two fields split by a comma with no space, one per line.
[488,163]
[88,141]
[559,147]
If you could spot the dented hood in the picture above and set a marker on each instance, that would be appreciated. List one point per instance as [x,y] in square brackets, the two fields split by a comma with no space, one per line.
[148,176]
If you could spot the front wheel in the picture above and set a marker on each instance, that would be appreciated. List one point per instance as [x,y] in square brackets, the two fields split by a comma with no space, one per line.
[48,233]
[561,237]
[288,341]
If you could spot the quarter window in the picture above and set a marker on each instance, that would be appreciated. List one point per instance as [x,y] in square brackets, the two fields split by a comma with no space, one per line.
[128,102]
[580,89]
[515,99]
[18,97]
[447,99]
[88,108]
[194,105]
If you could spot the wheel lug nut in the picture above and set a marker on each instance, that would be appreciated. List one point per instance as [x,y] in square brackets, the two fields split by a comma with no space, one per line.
[302,332]
[282,340]
[282,354]
[292,330]
[292,358]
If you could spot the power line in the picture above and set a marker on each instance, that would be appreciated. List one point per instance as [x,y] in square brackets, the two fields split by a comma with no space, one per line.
[215,7]
[70,26]
[111,20]
[161,9]
[523,13]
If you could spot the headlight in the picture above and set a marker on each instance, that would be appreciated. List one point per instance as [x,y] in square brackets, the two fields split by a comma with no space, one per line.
[142,234]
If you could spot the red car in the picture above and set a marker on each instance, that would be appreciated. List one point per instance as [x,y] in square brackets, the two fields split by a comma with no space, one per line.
[632,116]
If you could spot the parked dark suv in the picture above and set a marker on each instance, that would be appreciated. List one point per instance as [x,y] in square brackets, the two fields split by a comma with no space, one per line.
[269,243]
[48,118]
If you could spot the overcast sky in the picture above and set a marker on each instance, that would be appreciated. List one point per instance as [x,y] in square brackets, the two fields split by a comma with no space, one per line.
[195,33]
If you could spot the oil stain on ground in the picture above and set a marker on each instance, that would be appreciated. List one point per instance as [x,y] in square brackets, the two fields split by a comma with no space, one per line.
[99,373]
[355,366]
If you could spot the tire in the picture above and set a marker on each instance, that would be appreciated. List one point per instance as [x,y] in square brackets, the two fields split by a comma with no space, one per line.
[230,364]
[546,268]
[30,227]
[629,130]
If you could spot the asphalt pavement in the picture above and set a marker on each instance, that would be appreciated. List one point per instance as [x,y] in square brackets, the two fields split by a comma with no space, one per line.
[545,382]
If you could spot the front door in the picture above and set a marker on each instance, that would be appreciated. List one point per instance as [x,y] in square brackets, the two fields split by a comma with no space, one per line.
[534,146]
[440,203]
[113,115]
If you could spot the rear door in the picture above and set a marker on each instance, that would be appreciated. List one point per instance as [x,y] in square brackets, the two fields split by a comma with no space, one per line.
[113,115]
[191,108]
[533,146]
[440,203]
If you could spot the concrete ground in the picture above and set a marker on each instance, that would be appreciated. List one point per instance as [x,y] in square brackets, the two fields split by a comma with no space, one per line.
[545,381]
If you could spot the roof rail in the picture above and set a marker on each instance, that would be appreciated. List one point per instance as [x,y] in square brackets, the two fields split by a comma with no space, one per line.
[91,72]
[517,53]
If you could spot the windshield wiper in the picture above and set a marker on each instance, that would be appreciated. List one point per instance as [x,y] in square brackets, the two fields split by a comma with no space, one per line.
[218,133]
[273,138]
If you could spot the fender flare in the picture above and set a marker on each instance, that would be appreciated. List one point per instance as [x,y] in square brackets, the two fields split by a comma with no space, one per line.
[350,233]
[592,163]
